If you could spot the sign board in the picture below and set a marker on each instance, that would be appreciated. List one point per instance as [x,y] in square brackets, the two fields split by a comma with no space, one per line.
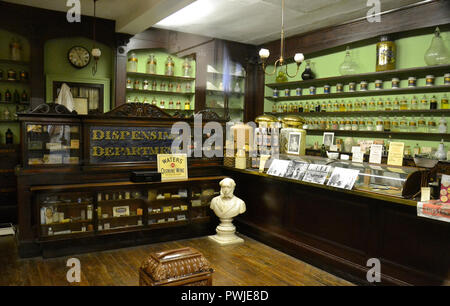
[172,167]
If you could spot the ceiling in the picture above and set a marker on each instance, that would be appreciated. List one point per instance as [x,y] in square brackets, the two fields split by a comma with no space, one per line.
[247,21]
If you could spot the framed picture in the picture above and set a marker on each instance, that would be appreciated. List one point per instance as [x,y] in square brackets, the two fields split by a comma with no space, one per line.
[294,143]
[328,139]
[121,211]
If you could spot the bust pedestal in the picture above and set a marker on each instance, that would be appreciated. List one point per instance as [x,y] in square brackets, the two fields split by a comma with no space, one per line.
[226,233]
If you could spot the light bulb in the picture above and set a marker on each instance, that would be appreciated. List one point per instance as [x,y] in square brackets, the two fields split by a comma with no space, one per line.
[299,57]
[96,52]
[264,53]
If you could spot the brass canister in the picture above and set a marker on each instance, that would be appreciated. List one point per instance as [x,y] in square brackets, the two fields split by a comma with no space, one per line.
[386,52]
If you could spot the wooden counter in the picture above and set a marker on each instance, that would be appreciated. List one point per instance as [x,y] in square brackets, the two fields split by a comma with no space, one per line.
[339,230]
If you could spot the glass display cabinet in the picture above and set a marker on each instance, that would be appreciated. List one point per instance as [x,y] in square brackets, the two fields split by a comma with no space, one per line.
[225,90]
[66,213]
[168,205]
[201,196]
[403,182]
[119,209]
[52,144]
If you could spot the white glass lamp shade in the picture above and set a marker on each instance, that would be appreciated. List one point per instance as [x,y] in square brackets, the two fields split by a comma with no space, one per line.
[299,57]
[264,53]
[96,52]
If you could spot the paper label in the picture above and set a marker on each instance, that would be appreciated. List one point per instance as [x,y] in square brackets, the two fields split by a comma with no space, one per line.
[376,152]
[425,194]
[395,157]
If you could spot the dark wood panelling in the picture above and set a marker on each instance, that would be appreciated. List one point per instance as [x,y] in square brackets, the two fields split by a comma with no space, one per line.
[340,231]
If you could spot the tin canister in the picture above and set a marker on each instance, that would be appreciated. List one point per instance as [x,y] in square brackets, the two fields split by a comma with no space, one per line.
[364,86]
[412,82]
[378,84]
[298,91]
[287,92]
[429,80]
[447,79]
[326,89]
[395,83]
[339,87]
[352,86]
[312,90]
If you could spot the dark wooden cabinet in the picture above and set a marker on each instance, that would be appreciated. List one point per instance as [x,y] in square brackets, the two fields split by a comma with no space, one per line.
[9,159]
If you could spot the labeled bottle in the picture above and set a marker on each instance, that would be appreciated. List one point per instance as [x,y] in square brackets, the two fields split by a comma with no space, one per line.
[444,102]
[151,64]
[16,96]
[433,103]
[414,103]
[421,125]
[132,63]
[8,96]
[386,53]
[308,74]
[442,129]
[424,103]
[170,66]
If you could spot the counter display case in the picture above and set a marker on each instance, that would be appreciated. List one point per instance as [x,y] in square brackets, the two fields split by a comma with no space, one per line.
[52,144]
[402,182]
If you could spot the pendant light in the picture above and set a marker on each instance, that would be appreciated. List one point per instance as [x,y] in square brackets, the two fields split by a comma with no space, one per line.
[96,52]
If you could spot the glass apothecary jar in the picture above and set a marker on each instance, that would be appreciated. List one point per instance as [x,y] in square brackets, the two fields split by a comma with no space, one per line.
[132,64]
[292,124]
[432,125]
[187,71]
[151,64]
[422,125]
[413,125]
[170,66]
[437,53]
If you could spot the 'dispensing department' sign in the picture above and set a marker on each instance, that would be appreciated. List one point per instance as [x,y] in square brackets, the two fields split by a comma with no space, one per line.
[114,144]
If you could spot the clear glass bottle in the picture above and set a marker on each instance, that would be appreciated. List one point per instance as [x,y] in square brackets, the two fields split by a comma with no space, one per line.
[349,106]
[444,102]
[312,107]
[422,125]
[336,106]
[403,124]
[151,64]
[437,54]
[395,125]
[187,67]
[404,104]
[412,125]
[432,126]
[388,105]
[387,124]
[342,106]
[370,125]
[414,103]
[364,105]
[357,107]
[348,125]
[162,104]
[424,103]
[170,66]
[442,128]
[342,125]
[129,83]
[330,107]
[132,62]
[154,102]
[323,107]
[372,105]
[379,125]
[380,104]
[349,66]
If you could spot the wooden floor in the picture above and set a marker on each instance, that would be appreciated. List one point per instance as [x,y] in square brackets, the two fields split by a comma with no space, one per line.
[249,264]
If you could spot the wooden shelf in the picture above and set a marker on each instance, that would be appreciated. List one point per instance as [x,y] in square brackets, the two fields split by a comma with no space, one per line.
[160,92]
[221,92]
[15,82]
[380,92]
[120,218]
[67,204]
[167,213]
[12,62]
[168,224]
[426,112]
[66,236]
[9,121]
[221,108]
[14,103]
[418,72]
[69,223]
[384,134]
[159,76]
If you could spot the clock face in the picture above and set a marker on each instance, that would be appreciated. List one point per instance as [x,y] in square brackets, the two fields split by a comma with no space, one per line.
[79,57]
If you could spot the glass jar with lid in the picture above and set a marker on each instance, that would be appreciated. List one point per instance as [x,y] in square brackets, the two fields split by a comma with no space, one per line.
[433,103]
[162,104]
[372,105]
[170,87]
[186,67]
[154,85]
[322,124]
[132,62]
[395,125]
[330,107]
[137,84]
[154,102]
[342,106]
[403,124]
[396,105]
[424,103]
[187,105]
[179,105]
[364,105]
[355,125]
[348,125]
[380,105]
[170,66]
[162,86]
[335,125]
[312,107]
[387,124]
[370,125]
[422,125]
[388,105]
[357,105]
[290,124]
[414,103]
[151,64]
[379,125]
[342,125]
[323,107]
[129,83]
[432,125]
[412,124]
[349,106]
[285,108]
[170,104]
[336,106]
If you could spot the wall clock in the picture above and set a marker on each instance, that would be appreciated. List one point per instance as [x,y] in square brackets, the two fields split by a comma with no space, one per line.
[79,57]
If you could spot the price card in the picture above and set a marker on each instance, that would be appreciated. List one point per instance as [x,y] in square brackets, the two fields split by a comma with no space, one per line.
[425,194]
[376,151]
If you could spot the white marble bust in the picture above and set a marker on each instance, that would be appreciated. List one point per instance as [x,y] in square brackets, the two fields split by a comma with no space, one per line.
[226,207]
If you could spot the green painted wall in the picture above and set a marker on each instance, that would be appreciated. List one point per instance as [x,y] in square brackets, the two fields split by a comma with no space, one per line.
[161,58]
[57,66]
[410,53]
[5,39]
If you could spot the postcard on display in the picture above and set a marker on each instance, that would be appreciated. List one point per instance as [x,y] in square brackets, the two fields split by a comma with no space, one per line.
[317,174]
[294,143]
[278,167]
[343,178]
[296,170]
[328,139]
[357,155]
[376,152]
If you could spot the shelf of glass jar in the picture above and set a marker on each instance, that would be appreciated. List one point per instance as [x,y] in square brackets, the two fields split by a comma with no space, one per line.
[169,105]
[391,75]
[170,89]
[365,93]
[413,126]
[398,105]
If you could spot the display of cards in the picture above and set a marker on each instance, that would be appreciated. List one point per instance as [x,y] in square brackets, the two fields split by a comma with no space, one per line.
[316,174]
[278,167]
[343,178]
[296,170]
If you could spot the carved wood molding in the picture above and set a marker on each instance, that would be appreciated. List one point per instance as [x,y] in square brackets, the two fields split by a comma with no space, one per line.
[207,115]
[138,110]
[51,109]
